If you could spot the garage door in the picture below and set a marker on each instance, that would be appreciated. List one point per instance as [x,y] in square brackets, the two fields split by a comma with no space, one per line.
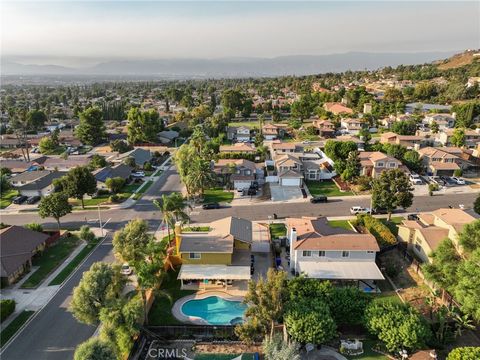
[242,184]
[291,182]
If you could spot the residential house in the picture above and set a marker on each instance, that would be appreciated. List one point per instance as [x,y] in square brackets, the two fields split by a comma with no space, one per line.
[271,131]
[352,126]
[120,170]
[18,245]
[167,136]
[241,173]
[408,141]
[337,108]
[283,147]
[375,162]
[238,148]
[238,133]
[28,177]
[61,164]
[472,137]
[325,128]
[436,161]
[290,170]
[141,156]
[220,256]
[444,121]
[323,252]
[424,235]
[42,186]
[360,143]
[18,166]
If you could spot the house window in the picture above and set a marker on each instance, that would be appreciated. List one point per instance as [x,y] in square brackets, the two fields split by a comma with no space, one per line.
[418,247]
[380,164]
[195,255]
[345,254]
[392,164]
[248,172]
[370,252]
[312,175]
[307,253]
[321,253]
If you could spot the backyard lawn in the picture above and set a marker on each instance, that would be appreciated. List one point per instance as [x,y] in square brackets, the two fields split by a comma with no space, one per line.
[217,195]
[49,260]
[327,188]
[6,198]
[160,313]
[277,231]
[340,224]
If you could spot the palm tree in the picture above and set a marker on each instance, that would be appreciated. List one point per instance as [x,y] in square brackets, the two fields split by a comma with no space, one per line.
[173,210]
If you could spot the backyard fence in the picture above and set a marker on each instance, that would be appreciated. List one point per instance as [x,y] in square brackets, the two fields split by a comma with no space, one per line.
[195,332]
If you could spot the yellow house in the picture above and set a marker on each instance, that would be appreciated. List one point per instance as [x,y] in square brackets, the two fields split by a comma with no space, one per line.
[425,234]
[219,255]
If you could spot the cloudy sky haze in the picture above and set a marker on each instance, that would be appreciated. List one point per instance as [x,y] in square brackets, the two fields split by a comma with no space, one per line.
[86,32]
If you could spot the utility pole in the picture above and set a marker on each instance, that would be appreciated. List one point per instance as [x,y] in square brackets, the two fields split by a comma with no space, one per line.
[100,220]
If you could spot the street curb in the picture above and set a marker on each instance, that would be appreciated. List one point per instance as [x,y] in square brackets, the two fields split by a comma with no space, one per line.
[31,318]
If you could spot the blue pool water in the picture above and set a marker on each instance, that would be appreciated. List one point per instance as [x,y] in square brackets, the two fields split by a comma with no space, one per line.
[215,310]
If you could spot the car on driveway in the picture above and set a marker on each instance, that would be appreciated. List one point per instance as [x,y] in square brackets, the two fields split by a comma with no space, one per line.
[33,199]
[379,211]
[138,174]
[457,180]
[318,199]
[354,210]
[19,199]
[211,206]
[415,179]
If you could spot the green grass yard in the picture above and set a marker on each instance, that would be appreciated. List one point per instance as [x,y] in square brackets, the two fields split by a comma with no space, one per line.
[72,265]
[10,330]
[49,260]
[278,230]
[368,353]
[217,195]
[6,198]
[140,192]
[161,311]
[340,224]
[327,188]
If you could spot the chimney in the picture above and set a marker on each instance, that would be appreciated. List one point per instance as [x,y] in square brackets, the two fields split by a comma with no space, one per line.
[293,235]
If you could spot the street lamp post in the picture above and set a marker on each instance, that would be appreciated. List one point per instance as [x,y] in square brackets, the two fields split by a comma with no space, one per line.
[100,220]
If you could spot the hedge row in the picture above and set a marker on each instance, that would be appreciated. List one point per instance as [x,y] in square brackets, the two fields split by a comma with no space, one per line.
[378,229]
[7,307]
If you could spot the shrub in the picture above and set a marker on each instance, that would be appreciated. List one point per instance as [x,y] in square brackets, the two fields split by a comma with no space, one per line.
[378,229]
[363,182]
[433,187]
[86,234]
[114,198]
[464,353]
[147,166]
[458,172]
[101,192]
[34,227]
[7,307]
[115,184]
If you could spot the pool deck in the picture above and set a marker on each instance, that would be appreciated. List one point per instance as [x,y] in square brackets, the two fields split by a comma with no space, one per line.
[177,307]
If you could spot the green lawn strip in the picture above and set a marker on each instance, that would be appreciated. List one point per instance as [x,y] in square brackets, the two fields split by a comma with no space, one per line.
[368,353]
[161,311]
[217,195]
[327,188]
[12,328]
[197,229]
[277,231]
[72,265]
[6,197]
[393,224]
[140,192]
[249,124]
[49,260]
[340,224]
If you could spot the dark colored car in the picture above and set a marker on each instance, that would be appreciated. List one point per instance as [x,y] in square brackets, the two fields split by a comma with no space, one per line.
[252,191]
[33,199]
[412,217]
[318,199]
[19,199]
[211,206]
[379,211]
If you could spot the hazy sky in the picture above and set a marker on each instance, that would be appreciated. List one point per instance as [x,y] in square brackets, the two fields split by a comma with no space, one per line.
[137,29]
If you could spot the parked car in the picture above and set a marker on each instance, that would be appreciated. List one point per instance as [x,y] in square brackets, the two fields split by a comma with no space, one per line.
[379,211]
[458,180]
[211,206]
[412,217]
[354,210]
[415,179]
[138,174]
[251,191]
[318,199]
[436,180]
[33,199]
[126,270]
[19,199]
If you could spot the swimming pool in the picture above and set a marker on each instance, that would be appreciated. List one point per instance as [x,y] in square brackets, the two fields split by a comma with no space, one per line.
[215,310]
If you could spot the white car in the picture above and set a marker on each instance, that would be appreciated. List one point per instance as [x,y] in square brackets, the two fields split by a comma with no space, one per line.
[126,270]
[138,174]
[354,210]
[458,180]
[415,179]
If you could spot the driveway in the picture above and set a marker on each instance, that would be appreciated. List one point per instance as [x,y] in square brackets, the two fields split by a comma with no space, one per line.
[285,193]
[263,261]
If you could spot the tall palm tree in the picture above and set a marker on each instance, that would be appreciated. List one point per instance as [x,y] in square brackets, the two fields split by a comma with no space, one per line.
[173,210]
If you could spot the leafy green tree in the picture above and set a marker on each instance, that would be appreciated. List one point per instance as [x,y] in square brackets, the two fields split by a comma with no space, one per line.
[120,145]
[5,171]
[347,305]
[434,127]
[4,183]
[130,243]
[86,234]
[115,184]
[412,160]
[277,349]
[302,108]
[464,353]
[130,161]
[395,150]
[78,182]
[34,227]
[91,129]
[143,126]
[54,205]
[99,287]
[97,162]
[465,114]
[232,101]
[95,349]
[36,119]
[399,326]
[393,95]
[404,127]
[173,208]
[458,137]
[443,268]
[352,167]
[467,284]
[310,321]
[46,145]
[469,237]
[391,190]
[476,205]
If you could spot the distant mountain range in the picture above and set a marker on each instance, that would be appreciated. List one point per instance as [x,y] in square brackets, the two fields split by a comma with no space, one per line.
[231,67]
